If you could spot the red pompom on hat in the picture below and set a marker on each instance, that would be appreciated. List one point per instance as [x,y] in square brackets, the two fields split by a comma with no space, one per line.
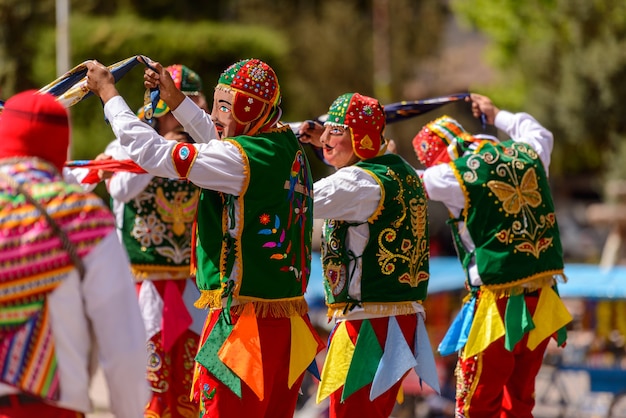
[34,125]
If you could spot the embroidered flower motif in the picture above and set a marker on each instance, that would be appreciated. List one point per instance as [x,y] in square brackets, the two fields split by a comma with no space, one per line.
[148,230]
[264,219]
[272,231]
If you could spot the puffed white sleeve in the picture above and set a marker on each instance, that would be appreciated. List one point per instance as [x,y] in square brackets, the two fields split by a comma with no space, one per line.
[522,127]
[195,121]
[111,305]
[216,165]
[123,186]
[349,194]
[442,186]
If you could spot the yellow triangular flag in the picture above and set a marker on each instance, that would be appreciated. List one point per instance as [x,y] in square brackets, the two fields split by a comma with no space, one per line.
[337,363]
[487,325]
[400,396]
[303,349]
[550,315]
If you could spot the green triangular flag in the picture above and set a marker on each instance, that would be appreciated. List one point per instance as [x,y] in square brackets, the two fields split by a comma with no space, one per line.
[207,356]
[561,334]
[367,355]
[517,320]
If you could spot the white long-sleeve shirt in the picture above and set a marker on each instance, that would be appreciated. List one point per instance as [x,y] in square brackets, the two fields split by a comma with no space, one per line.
[218,165]
[442,185]
[99,315]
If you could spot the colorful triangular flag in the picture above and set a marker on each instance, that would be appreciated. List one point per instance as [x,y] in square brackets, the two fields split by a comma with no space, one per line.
[207,356]
[176,318]
[304,348]
[337,362]
[425,368]
[487,325]
[367,355]
[517,320]
[241,351]
[397,359]
[550,315]
[456,336]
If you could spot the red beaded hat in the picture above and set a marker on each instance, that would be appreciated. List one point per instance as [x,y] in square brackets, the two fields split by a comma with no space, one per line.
[256,89]
[365,118]
[432,142]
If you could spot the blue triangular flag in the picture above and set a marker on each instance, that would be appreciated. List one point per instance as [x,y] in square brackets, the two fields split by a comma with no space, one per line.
[457,334]
[426,368]
[398,358]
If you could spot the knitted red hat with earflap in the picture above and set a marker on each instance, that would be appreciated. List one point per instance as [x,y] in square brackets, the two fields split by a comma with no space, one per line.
[34,125]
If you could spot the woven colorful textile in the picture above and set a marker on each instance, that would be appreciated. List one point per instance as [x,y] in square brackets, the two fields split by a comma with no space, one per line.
[33,263]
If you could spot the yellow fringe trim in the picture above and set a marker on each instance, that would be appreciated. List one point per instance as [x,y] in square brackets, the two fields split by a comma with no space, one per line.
[209,299]
[336,310]
[264,308]
[143,272]
[528,284]
[279,308]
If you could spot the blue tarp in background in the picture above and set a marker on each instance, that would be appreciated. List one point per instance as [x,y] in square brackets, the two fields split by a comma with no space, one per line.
[584,280]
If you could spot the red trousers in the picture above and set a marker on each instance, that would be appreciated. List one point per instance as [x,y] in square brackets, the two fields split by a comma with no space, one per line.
[169,375]
[21,406]
[279,401]
[359,404]
[497,382]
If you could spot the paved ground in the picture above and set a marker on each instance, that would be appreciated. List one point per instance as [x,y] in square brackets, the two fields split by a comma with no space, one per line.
[100,398]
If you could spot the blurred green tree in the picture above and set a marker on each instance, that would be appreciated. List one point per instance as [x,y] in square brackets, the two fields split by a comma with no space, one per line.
[564,61]
[320,48]
[206,47]
[21,23]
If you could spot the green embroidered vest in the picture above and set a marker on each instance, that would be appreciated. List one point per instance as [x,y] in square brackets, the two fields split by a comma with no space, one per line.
[395,260]
[157,225]
[509,214]
[259,250]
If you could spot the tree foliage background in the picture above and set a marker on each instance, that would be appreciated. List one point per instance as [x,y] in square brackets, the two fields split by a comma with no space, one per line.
[319,48]
[563,61]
